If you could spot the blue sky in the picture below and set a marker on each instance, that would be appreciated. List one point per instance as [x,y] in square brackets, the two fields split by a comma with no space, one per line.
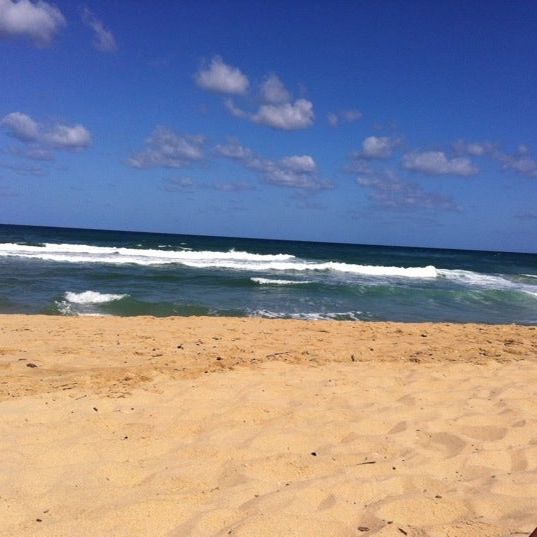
[404,123]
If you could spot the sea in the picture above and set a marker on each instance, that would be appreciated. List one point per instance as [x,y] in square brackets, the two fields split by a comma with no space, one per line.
[81,272]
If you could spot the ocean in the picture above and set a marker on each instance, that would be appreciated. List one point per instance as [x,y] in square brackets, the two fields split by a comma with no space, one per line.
[61,271]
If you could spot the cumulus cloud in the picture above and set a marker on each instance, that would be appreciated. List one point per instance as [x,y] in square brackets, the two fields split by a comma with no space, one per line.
[344,116]
[388,191]
[378,147]
[165,148]
[437,163]
[40,21]
[73,137]
[276,109]
[297,171]
[222,78]
[21,126]
[286,116]
[273,91]
[103,39]
[41,138]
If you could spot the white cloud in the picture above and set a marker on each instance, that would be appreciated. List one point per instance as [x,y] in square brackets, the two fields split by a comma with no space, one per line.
[303,163]
[520,161]
[178,183]
[473,149]
[103,40]
[527,215]
[277,108]
[33,153]
[521,164]
[21,126]
[235,110]
[66,137]
[344,116]
[332,119]
[297,171]
[222,78]
[273,91]
[43,137]
[437,163]
[388,191]
[378,147]
[167,149]
[233,186]
[286,116]
[39,21]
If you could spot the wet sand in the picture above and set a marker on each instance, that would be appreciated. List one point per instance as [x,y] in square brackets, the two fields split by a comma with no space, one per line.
[250,427]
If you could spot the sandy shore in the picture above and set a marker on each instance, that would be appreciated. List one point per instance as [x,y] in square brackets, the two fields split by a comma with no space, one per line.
[248,427]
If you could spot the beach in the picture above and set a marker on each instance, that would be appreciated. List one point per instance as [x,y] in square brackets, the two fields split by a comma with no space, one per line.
[216,426]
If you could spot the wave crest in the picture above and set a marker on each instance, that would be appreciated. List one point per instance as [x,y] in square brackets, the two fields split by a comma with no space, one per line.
[91,297]
[232,259]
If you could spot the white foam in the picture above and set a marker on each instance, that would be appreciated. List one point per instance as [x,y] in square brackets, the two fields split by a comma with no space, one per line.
[486,281]
[83,253]
[232,259]
[269,281]
[313,316]
[91,297]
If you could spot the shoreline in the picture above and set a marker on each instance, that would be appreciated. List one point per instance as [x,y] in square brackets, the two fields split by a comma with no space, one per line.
[217,426]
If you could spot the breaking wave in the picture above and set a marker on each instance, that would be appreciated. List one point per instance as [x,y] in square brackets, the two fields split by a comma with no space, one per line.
[269,281]
[91,297]
[232,259]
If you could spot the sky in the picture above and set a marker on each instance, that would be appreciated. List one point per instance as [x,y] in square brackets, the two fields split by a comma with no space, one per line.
[370,122]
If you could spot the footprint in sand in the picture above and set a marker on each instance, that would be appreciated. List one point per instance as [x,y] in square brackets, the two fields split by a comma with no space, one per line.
[451,443]
[399,428]
[484,432]
[419,511]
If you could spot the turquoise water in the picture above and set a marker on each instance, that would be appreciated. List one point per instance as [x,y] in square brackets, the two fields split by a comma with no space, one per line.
[86,272]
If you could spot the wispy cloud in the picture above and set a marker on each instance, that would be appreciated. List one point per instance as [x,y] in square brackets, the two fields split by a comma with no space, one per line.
[176,184]
[232,186]
[438,163]
[40,21]
[23,169]
[474,149]
[389,191]
[40,139]
[103,39]
[520,161]
[165,148]
[335,119]
[298,171]
[222,78]
[527,215]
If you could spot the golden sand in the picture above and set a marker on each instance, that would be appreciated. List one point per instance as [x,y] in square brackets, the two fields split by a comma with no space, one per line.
[209,427]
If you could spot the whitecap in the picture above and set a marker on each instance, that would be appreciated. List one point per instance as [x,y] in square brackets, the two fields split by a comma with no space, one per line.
[269,281]
[91,297]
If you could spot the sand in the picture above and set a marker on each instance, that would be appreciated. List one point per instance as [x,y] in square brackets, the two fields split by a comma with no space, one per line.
[248,427]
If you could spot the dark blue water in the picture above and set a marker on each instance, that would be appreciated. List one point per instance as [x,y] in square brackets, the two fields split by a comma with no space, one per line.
[87,272]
